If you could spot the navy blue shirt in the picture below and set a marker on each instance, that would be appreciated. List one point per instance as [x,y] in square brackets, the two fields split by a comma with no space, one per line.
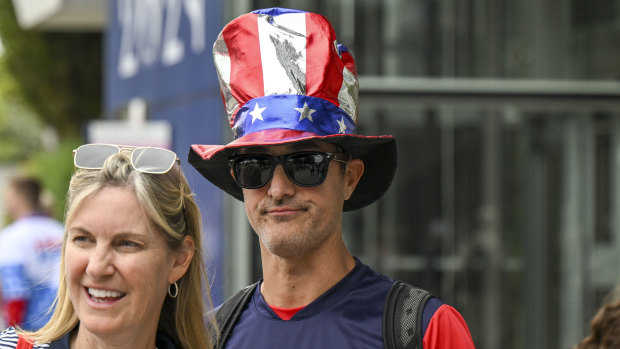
[349,315]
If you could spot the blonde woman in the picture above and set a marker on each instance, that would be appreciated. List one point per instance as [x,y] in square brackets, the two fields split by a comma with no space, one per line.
[132,270]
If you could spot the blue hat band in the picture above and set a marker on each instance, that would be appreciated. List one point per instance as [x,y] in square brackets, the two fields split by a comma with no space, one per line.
[292,112]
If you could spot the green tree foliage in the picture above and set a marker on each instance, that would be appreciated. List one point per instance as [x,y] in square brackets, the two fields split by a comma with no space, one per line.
[47,80]
[20,127]
[58,73]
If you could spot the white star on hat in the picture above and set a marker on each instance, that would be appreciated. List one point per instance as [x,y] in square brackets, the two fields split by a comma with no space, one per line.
[257,113]
[305,112]
[343,126]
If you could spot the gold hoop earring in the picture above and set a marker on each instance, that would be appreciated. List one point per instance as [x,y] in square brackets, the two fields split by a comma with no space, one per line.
[174,294]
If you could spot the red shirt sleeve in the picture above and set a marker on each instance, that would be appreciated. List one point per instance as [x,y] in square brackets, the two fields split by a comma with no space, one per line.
[447,330]
[15,311]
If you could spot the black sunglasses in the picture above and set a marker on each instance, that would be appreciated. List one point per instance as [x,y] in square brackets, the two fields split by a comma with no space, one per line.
[306,168]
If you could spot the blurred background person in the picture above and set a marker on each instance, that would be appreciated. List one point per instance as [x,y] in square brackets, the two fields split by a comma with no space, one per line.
[29,256]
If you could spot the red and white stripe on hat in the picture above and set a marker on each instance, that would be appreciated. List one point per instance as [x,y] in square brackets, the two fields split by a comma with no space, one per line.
[284,52]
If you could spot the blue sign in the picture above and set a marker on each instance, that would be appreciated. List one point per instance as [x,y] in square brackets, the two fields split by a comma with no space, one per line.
[160,51]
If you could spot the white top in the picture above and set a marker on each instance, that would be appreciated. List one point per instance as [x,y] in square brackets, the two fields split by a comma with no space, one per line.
[30,265]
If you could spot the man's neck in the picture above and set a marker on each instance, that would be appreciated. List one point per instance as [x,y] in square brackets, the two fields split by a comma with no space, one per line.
[296,281]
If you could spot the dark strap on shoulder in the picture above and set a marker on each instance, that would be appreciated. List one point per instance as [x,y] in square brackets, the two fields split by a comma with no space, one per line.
[402,316]
[228,313]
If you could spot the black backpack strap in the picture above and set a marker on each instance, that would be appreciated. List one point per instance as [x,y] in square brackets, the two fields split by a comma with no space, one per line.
[402,316]
[228,313]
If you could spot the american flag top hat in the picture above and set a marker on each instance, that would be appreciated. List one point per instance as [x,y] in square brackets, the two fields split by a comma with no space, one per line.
[285,79]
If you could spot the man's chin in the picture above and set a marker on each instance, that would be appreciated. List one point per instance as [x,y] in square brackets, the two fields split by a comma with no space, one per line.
[285,248]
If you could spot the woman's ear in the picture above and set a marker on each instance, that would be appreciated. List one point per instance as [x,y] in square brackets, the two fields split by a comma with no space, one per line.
[355,170]
[182,259]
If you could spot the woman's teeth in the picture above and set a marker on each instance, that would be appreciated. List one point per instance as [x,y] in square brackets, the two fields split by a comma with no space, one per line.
[101,295]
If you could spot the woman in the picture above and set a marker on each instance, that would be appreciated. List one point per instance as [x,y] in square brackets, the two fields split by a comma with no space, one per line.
[132,272]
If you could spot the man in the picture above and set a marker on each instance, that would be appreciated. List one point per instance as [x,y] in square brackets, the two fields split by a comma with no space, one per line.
[29,256]
[291,96]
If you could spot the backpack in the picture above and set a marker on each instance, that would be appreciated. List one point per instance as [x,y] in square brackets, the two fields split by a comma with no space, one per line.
[402,315]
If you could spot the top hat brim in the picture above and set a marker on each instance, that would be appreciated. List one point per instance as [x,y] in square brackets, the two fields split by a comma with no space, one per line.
[377,152]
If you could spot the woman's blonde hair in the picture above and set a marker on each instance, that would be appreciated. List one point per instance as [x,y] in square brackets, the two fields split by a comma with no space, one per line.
[169,203]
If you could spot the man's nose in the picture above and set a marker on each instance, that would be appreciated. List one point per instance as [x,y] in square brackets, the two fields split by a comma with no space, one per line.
[280,185]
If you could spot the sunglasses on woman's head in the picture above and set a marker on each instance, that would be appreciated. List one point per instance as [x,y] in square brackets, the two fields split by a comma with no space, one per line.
[306,168]
[143,159]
